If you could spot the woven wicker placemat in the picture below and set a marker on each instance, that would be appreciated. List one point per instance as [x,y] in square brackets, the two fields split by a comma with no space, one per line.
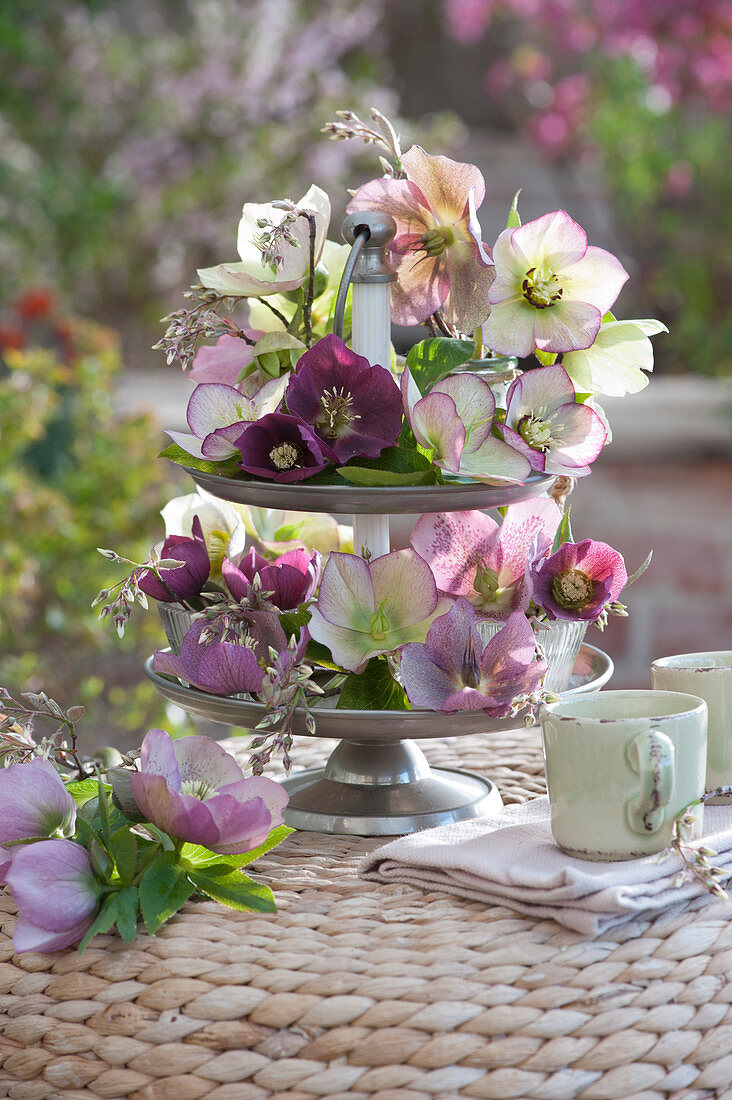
[372,992]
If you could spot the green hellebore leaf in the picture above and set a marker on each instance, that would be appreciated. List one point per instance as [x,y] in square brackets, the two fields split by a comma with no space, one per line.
[514,221]
[199,857]
[82,790]
[124,852]
[175,453]
[293,621]
[394,466]
[318,654]
[164,887]
[236,891]
[121,783]
[119,908]
[640,570]
[373,689]
[431,360]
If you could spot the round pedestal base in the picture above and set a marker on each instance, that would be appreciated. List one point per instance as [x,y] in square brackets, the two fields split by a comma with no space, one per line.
[389,792]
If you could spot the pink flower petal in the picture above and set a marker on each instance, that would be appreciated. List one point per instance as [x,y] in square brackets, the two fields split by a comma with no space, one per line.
[28,937]
[33,801]
[220,443]
[475,405]
[427,685]
[583,436]
[201,760]
[536,459]
[158,757]
[422,285]
[509,330]
[213,405]
[538,392]
[243,822]
[224,361]
[53,884]
[436,423]
[467,306]
[403,199]
[454,543]
[553,241]
[567,325]
[527,532]
[445,183]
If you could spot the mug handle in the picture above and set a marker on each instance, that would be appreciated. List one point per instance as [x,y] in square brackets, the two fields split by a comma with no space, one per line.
[651,754]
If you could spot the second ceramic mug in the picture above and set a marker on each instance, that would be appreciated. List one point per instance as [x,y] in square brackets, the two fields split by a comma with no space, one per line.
[708,675]
[620,766]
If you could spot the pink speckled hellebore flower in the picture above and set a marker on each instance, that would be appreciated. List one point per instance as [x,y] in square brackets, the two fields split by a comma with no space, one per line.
[546,423]
[353,407]
[368,608]
[56,892]
[453,671]
[471,556]
[34,802]
[438,259]
[551,289]
[579,580]
[194,790]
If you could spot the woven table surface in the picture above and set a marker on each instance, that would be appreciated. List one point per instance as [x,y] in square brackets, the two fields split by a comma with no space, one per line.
[371,992]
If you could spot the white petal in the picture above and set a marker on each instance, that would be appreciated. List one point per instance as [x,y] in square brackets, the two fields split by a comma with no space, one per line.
[597,278]
[553,241]
[495,463]
[188,442]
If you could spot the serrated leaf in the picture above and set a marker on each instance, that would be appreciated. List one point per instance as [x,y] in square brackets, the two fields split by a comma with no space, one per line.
[394,466]
[431,360]
[373,689]
[514,220]
[103,921]
[127,908]
[275,837]
[124,853]
[640,570]
[100,859]
[358,475]
[164,887]
[175,453]
[564,532]
[82,790]
[237,891]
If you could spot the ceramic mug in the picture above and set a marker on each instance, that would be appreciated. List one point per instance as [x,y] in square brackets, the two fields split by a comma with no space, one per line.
[708,675]
[620,766]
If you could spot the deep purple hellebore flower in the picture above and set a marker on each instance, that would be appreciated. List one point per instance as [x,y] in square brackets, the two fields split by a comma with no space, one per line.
[56,892]
[282,448]
[34,802]
[353,407]
[184,581]
[224,668]
[452,671]
[578,580]
[194,790]
[292,578]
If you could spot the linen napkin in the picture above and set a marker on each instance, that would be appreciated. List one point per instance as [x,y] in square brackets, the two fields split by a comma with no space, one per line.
[512,859]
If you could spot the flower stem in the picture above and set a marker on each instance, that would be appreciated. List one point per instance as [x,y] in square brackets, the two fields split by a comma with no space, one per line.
[307,307]
[280,316]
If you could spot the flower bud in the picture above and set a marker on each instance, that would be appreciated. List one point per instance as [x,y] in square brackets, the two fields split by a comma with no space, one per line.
[277,353]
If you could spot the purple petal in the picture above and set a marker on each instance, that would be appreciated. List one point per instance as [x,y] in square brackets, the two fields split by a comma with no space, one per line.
[227,669]
[53,884]
[167,664]
[179,815]
[241,825]
[213,405]
[33,802]
[184,581]
[202,760]
[224,361]
[282,448]
[452,635]
[158,757]
[221,443]
[426,684]
[27,937]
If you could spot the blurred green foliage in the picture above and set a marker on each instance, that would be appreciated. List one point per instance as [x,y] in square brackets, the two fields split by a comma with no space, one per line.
[74,476]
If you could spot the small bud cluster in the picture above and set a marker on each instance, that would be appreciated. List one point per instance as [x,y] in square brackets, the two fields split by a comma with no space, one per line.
[187,327]
[128,590]
[276,234]
[695,860]
[287,685]
[349,126]
[18,743]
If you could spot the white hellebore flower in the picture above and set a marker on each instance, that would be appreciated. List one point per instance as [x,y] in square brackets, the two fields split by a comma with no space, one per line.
[615,363]
[250,276]
[224,531]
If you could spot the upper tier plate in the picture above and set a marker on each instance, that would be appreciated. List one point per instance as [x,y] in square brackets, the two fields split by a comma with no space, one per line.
[359,500]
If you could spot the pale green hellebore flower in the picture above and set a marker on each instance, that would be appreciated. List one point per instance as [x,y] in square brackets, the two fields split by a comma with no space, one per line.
[614,364]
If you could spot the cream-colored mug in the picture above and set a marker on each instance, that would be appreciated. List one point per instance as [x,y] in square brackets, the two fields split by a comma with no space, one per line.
[708,675]
[620,766]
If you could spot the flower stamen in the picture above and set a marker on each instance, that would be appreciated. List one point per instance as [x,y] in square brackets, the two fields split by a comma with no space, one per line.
[286,456]
[541,289]
[573,589]
[336,413]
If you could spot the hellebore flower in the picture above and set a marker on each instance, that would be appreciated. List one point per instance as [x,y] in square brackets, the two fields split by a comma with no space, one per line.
[615,363]
[279,531]
[368,608]
[224,531]
[455,420]
[353,407]
[471,556]
[218,414]
[225,360]
[224,667]
[436,250]
[251,275]
[282,448]
[292,578]
[56,892]
[578,580]
[547,425]
[551,289]
[194,790]
[34,802]
[183,581]
[452,671]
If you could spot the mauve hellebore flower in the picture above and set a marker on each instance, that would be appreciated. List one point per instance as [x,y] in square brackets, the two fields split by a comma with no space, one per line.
[56,892]
[223,667]
[217,415]
[453,671]
[545,423]
[353,407]
[183,581]
[368,608]
[282,448]
[34,802]
[436,250]
[291,578]
[551,289]
[194,790]
[579,580]
[471,556]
